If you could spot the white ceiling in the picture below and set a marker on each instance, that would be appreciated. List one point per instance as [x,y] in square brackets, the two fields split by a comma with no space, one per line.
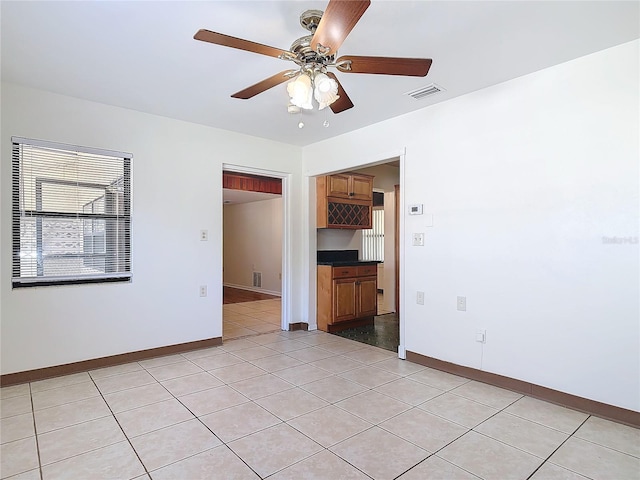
[141,54]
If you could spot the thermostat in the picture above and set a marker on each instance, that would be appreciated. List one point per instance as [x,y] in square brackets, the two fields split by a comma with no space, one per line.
[415,209]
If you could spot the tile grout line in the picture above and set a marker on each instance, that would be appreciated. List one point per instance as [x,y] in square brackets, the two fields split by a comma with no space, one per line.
[378,425]
[35,431]
[558,448]
[72,425]
[207,427]
[469,429]
[146,471]
[372,425]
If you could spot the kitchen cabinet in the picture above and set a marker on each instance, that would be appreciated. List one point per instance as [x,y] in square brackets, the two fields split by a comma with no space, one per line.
[352,186]
[347,296]
[344,200]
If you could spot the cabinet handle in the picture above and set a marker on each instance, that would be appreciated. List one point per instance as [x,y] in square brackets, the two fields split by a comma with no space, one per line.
[351,194]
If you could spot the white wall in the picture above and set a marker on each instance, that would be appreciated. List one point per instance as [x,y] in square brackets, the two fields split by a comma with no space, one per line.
[524,180]
[177,191]
[253,243]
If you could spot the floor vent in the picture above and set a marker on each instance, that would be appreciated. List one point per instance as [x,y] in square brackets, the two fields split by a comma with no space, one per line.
[257,279]
[427,91]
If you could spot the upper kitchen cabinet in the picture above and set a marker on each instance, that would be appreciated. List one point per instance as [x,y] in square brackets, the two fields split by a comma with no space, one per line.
[344,200]
[352,186]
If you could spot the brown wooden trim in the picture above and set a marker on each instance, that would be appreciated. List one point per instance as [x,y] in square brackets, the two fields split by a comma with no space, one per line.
[241,295]
[251,183]
[610,412]
[110,361]
[298,326]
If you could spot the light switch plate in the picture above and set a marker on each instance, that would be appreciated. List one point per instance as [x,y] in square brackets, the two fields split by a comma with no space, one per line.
[462,304]
[415,209]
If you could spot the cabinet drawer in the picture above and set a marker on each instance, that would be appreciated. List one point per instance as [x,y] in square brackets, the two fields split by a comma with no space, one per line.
[367,270]
[345,272]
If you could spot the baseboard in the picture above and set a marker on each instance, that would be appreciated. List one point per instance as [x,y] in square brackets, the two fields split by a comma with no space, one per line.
[110,361]
[610,412]
[298,326]
[253,289]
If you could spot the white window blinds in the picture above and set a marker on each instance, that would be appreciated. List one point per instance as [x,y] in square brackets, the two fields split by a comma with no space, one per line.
[373,239]
[71,214]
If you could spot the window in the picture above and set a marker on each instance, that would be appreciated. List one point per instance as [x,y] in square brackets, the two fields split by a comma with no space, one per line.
[71,214]
[373,239]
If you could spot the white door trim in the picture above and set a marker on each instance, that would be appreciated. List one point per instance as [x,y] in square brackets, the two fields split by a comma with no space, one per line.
[401,317]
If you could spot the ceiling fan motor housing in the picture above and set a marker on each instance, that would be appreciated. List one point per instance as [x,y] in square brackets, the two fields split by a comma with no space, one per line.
[301,48]
[310,19]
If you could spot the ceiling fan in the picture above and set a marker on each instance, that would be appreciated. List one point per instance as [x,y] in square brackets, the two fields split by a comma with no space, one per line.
[315,53]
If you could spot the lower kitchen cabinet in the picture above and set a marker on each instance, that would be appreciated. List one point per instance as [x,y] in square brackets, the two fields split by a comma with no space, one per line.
[346,296]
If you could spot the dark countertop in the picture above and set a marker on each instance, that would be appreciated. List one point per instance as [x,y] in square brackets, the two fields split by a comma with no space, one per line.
[342,258]
[349,263]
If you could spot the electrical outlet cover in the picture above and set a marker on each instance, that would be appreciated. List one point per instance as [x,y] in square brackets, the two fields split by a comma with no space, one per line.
[462,304]
[417,239]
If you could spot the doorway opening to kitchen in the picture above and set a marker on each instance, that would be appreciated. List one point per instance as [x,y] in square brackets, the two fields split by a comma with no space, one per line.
[376,251]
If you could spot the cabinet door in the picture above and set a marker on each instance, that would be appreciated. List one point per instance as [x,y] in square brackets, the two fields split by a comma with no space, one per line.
[339,186]
[361,187]
[344,299]
[367,289]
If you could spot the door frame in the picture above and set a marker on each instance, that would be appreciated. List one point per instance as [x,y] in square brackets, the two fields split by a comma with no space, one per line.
[312,246]
[285,310]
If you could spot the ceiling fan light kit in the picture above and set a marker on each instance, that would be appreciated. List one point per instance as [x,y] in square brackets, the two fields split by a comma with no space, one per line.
[310,85]
[314,54]
[325,91]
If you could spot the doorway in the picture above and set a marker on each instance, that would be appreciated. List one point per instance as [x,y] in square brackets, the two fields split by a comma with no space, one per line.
[254,257]
[379,244]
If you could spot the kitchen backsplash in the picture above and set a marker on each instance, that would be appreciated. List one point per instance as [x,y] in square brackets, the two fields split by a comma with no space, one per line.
[338,239]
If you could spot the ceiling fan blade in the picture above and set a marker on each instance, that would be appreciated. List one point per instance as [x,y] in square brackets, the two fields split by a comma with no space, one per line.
[413,67]
[337,21]
[265,84]
[239,43]
[344,102]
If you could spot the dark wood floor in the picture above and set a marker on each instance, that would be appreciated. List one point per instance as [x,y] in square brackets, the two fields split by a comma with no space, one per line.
[236,295]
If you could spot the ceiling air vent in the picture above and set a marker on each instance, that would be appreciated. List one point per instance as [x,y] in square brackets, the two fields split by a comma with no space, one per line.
[427,91]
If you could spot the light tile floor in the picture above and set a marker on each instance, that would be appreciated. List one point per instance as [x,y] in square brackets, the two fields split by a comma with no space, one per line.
[250,318]
[297,405]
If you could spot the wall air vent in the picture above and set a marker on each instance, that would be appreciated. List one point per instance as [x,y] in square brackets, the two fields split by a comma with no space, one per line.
[426,91]
[257,279]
